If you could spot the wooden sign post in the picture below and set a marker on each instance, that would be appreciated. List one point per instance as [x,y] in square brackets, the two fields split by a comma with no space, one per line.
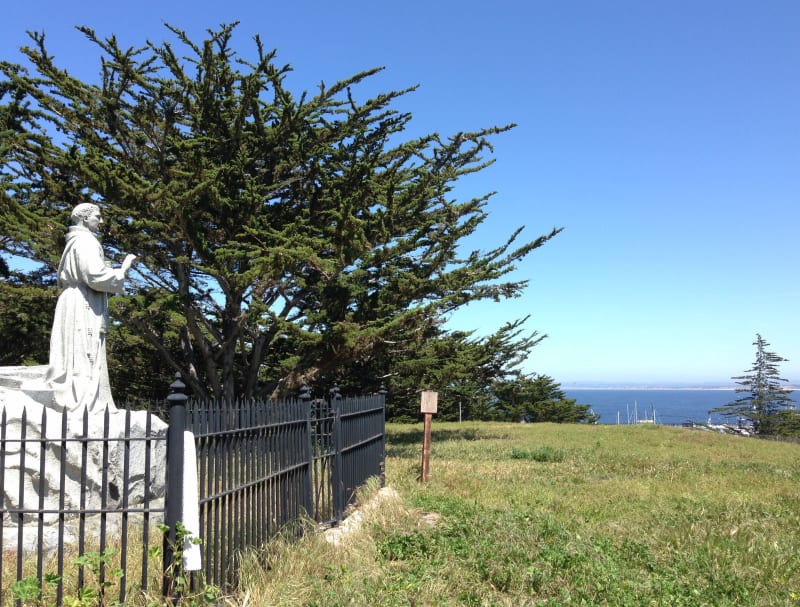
[428,405]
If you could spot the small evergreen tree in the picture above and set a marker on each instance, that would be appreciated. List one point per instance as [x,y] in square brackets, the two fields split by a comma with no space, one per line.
[766,406]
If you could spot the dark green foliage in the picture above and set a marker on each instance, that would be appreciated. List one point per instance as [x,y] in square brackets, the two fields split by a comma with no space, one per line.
[136,366]
[282,239]
[766,405]
[457,365]
[538,399]
[479,379]
[26,317]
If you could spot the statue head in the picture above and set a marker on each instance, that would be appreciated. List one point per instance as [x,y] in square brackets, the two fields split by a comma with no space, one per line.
[86,214]
[82,212]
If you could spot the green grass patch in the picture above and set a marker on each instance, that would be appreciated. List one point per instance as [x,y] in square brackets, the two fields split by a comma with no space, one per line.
[542,454]
[543,514]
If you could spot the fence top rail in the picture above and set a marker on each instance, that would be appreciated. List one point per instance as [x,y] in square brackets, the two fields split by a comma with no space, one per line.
[201,430]
[363,412]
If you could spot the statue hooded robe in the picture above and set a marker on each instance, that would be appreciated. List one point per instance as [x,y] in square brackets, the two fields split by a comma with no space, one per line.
[78,372]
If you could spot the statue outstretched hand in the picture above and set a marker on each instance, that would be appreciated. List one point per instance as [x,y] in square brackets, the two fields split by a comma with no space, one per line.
[126,265]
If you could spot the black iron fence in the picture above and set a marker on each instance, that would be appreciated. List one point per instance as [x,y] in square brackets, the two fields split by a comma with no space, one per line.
[80,502]
[261,466]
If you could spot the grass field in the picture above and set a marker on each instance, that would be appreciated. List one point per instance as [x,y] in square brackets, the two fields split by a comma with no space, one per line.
[545,514]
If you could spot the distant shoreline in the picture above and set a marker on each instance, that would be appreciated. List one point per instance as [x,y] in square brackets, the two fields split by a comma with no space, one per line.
[672,405]
[646,387]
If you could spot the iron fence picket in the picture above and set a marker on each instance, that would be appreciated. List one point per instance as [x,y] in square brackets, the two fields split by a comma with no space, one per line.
[82,515]
[62,496]
[3,427]
[123,558]
[21,499]
[148,445]
[40,518]
[103,501]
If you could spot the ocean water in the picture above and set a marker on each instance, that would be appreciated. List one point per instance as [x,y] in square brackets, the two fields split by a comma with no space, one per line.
[672,407]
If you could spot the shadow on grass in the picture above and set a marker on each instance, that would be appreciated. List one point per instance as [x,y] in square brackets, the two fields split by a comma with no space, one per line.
[397,443]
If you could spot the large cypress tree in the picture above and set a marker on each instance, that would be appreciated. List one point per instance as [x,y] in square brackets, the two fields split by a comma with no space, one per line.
[282,238]
[766,404]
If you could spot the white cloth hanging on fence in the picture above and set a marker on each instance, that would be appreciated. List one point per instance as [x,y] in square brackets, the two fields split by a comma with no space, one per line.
[192,559]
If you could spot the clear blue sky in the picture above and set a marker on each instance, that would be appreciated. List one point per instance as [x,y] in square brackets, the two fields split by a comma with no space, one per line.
[664,136]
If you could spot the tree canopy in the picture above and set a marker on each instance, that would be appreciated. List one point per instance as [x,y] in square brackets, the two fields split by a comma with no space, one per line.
[282,238]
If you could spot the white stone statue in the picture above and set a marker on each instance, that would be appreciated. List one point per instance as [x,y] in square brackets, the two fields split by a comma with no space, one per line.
[75,381]
[78,372]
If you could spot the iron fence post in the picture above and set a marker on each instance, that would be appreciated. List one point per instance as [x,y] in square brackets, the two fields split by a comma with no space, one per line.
[176,402]
[305,398]
[382,392]
[336,473]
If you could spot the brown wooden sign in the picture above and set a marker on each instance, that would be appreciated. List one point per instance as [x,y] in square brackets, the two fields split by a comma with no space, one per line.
[429,401]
